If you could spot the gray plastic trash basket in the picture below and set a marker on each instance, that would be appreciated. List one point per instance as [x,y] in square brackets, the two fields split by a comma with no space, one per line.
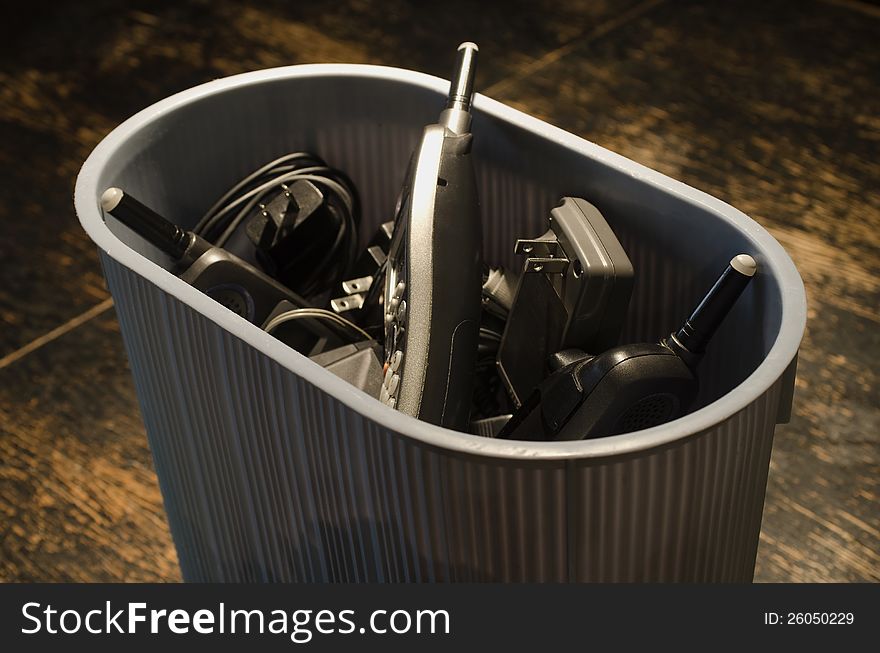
[274,469]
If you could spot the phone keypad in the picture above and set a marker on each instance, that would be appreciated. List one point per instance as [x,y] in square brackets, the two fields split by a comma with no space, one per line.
[395,322]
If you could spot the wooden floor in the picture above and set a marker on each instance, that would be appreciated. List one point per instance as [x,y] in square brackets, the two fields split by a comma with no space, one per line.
[770,105]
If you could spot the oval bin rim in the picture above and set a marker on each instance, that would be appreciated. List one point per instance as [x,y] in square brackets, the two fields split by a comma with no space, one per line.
[781,353]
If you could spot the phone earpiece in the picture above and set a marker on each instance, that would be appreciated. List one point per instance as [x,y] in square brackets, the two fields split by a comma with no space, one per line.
[630,387]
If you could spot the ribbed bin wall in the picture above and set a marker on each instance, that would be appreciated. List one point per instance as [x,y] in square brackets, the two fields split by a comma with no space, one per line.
[266,477]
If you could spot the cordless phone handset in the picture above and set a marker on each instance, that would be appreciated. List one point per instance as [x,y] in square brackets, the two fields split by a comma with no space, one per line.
[434,274]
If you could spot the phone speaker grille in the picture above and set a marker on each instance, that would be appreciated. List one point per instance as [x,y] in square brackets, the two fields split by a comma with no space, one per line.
[234,298]
[647,412]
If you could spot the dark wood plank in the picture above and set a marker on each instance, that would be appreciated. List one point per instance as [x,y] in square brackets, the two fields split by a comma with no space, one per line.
[78,494]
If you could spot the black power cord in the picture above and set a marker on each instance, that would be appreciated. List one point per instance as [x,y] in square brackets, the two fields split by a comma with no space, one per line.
[302,215]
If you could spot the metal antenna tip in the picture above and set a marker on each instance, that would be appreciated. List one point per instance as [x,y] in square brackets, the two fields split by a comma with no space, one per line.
[461,90]
[111,198]
[744,264]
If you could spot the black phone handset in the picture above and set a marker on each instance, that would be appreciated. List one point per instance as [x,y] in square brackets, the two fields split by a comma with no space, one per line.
[433,278]
[231,281]
[630,387]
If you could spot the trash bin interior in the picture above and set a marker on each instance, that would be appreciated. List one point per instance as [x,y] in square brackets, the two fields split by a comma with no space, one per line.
[183,157]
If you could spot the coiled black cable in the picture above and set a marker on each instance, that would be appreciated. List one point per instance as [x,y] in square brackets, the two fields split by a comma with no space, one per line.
[322,265]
